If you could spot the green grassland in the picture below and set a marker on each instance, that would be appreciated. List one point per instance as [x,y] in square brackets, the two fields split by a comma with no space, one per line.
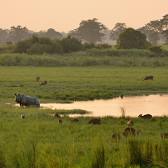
[40,141]
[81,83]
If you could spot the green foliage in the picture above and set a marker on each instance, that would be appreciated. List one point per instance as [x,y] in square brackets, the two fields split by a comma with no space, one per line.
[131,38]
[89,31]
[42,45]
[140,153]
[70,44]
[81,83]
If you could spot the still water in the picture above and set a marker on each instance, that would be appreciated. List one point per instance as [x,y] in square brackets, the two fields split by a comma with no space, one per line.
[157,105]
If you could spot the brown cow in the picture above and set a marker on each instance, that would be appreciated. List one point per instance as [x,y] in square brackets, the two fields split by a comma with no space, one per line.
[43,83]
[151,77]
[95,121]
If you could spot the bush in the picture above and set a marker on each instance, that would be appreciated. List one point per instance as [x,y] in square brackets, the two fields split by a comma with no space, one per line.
[131,38]
[71,44]
[37,45]
[156,49]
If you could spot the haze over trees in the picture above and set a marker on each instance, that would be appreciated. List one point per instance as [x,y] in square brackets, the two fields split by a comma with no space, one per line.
[91,31]
[117,30]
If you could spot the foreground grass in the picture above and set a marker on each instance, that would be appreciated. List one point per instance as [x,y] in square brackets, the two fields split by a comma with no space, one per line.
[77,83]
[39,141]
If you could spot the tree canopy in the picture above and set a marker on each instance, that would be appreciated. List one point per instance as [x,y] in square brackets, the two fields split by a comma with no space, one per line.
[131,38]
[89,31]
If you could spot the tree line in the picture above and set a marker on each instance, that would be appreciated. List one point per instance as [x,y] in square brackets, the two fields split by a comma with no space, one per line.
[90,34]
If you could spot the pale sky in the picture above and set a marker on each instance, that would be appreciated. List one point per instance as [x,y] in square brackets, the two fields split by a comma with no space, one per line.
[65,15]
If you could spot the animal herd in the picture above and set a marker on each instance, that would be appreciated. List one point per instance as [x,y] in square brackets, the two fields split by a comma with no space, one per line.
[24,100]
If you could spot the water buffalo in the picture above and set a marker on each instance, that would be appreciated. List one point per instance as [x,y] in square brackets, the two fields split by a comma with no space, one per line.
[24,100]
[149,77]
[95,121]
[43,83]
[146,116]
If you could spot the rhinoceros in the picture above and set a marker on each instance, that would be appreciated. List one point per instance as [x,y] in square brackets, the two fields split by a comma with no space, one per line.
[24,100]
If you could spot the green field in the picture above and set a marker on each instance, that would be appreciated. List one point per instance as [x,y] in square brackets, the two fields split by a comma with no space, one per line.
[39,141]
[77,83]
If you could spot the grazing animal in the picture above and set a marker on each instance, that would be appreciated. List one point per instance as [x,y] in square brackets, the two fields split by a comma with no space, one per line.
[22,116]
[60,121]
[95,121]
[37,78]
[130,123]
[43,83]
[116,136]
[146,116]
[24,100]
[129,131]
[151,77]
[164,135]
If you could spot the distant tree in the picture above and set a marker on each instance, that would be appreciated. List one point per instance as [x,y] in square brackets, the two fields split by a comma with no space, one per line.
[3,36]
[18,33]
[131,38]
[164,23]
[90,31]
[50,33]
[117,30]
[70,44]
[152,30]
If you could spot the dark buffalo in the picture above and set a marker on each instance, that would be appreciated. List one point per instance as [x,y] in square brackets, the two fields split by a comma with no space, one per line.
[149,77]
[43,83]
[24,100]
[146,116]
[95,121]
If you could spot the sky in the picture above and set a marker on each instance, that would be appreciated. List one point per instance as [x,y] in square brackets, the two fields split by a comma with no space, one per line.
[65,15]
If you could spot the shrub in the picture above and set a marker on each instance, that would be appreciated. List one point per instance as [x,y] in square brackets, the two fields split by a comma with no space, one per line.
[156,49]
[131,38]
[71,44]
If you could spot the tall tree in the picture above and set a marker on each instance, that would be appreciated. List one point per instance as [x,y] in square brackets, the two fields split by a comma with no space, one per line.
[18,33]
[131,38]
[90,31]
[3,36]
[164,23]
[152,30]
[117,30]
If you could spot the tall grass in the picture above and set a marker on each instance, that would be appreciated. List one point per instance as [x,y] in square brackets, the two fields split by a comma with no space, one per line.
[92,57]
[99,158]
